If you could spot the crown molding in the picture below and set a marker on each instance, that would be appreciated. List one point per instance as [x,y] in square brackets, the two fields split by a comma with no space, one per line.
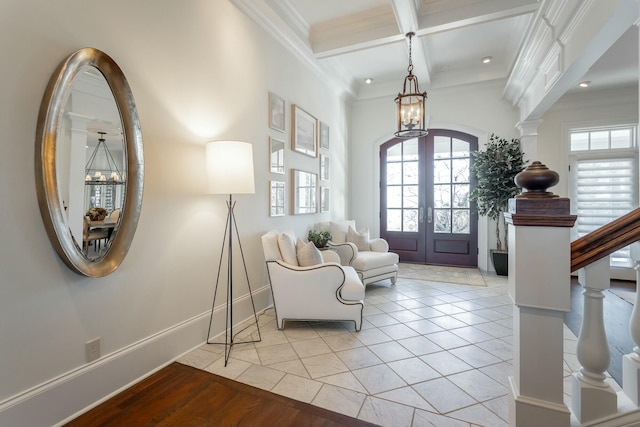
[563,42]
[274,16]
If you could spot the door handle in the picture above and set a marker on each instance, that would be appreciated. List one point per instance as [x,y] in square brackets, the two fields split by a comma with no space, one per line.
[429,215]
[421,215]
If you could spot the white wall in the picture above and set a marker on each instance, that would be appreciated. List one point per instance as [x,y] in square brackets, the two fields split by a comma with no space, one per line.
[475,109]
[578,109]
[199,70]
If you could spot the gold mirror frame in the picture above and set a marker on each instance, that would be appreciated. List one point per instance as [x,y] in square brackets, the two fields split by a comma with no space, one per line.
[49,119]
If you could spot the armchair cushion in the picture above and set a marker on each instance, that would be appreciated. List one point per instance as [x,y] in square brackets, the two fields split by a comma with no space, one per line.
[308,254]
[287,245]
[270,246]
[359,238]
[368,260]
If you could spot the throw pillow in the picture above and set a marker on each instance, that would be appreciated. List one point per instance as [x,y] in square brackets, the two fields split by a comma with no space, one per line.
[270,246]
[308,254]
[287,244]
[339,230]
[359,238]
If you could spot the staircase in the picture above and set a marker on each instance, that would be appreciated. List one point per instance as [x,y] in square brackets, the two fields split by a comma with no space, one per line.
[540,263]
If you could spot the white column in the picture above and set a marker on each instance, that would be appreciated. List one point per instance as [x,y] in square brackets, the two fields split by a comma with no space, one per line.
[539,271]
[77,159]
[592,397]
[529,137]
[631,361]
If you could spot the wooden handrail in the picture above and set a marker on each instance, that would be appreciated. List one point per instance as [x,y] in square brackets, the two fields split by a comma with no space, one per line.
[605,240]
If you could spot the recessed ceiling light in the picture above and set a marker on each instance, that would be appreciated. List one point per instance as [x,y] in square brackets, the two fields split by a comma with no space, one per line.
[368,80]
[584,84]
[486,59]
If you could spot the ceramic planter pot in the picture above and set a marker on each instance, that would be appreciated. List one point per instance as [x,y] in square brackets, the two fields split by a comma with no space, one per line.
[500,261]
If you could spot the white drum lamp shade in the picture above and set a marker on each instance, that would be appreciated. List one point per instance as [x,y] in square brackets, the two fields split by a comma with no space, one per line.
[230,167]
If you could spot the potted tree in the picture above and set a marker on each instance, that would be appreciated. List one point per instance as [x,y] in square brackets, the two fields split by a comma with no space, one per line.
[495,169]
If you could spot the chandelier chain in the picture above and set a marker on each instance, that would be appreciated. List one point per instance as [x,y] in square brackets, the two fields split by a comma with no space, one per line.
[410,67]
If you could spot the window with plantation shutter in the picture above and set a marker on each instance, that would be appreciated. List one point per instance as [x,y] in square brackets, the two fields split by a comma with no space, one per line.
[604,180]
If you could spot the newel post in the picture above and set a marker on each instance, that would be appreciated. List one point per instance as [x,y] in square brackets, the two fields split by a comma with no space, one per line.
[539,284]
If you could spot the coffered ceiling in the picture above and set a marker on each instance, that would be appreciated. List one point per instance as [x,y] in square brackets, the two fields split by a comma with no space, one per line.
[352,40]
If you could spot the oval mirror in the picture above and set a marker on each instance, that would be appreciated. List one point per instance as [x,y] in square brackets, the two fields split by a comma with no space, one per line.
[89,163]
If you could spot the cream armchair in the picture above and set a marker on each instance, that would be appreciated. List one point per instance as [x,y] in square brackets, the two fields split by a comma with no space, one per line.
[324,291]
[369,257]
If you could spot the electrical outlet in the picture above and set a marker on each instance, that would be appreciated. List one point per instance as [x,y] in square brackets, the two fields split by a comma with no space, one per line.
[93,349]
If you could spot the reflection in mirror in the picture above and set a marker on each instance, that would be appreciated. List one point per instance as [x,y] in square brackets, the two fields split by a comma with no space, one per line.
[276,196]
[304,192]
[276,159]
[89,163]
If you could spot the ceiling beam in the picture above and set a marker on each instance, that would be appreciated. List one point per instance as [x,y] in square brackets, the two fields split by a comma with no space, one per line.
[478,13]
[363,30]
[341,33]
[406,13]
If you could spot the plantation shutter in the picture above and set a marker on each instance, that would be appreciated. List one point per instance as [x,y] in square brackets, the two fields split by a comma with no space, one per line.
[604,190]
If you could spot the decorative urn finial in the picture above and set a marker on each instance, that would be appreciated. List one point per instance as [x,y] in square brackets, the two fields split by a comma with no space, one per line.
[535,180]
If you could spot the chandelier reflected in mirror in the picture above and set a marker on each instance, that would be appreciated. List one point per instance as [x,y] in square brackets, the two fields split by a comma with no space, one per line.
[101,167]
[410,105]
[104,180]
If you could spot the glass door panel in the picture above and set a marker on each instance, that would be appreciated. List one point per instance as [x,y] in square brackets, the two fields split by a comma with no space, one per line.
[425,213]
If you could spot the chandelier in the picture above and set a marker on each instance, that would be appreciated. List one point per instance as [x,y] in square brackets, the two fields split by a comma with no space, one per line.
[410,105]
[106,170]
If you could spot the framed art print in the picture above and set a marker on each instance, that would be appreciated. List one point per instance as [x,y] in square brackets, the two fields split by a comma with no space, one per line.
[276,112]
[304,192]
[324,199]
[276,198]
[276,155]
[324,136]
[324,167]
[304,136]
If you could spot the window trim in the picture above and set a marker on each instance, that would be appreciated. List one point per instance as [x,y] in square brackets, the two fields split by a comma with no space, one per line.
[573,157]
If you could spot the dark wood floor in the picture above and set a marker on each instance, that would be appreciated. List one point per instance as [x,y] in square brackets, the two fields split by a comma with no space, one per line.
[617,313]
[180,395]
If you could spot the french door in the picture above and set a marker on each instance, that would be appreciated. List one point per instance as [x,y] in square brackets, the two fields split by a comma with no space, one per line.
[425,213]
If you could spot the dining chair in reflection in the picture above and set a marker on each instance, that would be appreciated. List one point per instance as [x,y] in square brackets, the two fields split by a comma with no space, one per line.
[115,214]
[95,236]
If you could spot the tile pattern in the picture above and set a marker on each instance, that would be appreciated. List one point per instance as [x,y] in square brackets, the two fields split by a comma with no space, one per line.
[429,354]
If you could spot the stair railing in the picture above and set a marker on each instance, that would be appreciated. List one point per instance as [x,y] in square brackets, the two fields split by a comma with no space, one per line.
[539,224]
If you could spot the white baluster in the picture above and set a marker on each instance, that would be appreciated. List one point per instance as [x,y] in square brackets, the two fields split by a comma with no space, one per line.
[592,397]
[631,361]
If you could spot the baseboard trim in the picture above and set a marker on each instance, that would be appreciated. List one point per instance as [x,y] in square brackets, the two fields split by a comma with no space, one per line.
[62,398]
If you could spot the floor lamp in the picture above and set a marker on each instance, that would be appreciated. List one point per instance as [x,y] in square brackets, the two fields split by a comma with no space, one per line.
[230,171]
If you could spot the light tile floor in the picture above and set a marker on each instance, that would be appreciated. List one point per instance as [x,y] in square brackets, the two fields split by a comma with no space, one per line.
[428,354]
